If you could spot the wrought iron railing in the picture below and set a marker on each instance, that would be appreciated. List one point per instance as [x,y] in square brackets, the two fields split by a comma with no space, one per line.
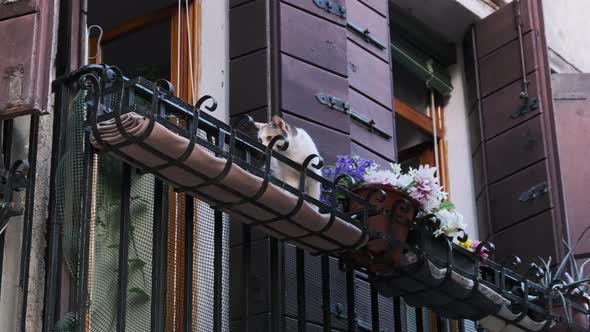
[439,274]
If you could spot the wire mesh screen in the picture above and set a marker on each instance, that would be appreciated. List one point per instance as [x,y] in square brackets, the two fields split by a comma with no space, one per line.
[69,183]
[195,288]
[104,245]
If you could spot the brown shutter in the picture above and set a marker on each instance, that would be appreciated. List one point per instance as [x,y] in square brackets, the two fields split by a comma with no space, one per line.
[571,100]
[26,35]
[514,158]
[301,54]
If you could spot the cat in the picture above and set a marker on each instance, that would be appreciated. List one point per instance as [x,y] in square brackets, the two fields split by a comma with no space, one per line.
[301,145]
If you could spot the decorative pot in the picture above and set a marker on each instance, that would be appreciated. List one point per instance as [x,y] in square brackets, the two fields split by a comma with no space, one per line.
[436,249]
[579,317]
[384,256]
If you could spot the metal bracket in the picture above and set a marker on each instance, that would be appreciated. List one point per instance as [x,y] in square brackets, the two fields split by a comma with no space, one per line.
[529,105]
[333,102]
[369,124]
[534,192]
[12,180]
[331,7]
[366,35]
[343,106]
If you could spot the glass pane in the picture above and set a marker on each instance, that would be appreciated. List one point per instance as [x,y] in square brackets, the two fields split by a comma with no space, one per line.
[145,52]
[410,89]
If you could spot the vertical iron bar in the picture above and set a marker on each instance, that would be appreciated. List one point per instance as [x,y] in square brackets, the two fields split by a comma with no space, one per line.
[300,266]
[461,324]
[28,215]
[218,272]
[62,94]
[159,257]
[327,317]
[276,300]
[419,320]
[124,248]
[189,220]
[397,314]
[246,254]
[52,284]
[350,302]
[218,256]
[82,291]
[275,57]
[375,308]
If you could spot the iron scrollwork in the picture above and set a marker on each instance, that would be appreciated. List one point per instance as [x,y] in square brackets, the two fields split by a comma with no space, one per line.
[12,180]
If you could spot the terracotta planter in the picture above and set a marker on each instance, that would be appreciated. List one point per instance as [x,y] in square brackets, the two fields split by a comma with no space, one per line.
[580,318]
[397,225]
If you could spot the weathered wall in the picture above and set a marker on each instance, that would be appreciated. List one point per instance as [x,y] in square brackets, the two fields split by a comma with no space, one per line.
[462,190]
[567,32]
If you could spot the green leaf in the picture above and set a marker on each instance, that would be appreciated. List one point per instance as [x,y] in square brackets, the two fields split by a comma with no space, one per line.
[137,296]
[446,206]
[136,264]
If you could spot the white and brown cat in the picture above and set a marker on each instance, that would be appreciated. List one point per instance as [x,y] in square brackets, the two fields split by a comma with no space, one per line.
[301,145]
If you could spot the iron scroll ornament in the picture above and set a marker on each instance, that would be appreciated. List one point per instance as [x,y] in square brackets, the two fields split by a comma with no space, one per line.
[12,180]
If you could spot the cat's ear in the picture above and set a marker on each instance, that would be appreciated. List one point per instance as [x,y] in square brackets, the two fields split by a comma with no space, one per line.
[259,125]
[278,122]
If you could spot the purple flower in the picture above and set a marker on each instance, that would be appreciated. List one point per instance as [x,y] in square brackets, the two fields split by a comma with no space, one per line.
[353,166]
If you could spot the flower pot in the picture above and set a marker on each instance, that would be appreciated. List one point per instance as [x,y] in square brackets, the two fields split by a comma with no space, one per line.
[436,250]
[396,225]
[579,317]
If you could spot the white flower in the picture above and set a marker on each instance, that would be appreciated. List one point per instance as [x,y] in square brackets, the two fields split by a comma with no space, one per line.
[450,222]
[396,168]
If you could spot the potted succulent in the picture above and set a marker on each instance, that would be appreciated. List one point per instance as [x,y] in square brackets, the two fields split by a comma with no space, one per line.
[575,286]
[399,196]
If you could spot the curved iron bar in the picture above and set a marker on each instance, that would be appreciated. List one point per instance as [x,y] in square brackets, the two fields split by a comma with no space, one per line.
[300,194]
[312,175]
[193,128]
[464,237]
[266,178]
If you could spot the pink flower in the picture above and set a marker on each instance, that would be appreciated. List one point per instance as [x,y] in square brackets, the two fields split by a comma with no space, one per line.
[483,251]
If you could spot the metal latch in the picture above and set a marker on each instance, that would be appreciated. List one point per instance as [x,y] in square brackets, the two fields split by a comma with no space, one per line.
[343,106]
[331,7]
[333,102]
[529,104]
[365,34]
[369,124]
[534,192]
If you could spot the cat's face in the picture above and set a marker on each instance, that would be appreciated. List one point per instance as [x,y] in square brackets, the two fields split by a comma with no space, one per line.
[266,131]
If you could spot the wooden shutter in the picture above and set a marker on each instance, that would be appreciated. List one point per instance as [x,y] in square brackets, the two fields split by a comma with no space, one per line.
[292,57]
[514,152]
[26,32]
[571,100]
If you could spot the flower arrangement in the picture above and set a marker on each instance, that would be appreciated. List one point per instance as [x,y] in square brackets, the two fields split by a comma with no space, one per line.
[421,184]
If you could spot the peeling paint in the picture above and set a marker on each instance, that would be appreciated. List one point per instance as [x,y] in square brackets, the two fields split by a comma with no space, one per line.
[14,76]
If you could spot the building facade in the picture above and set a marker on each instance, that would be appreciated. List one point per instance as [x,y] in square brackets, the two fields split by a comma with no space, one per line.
[492,92]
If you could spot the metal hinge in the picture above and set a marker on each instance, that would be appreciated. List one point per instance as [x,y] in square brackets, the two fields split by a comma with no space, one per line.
[365,34]
[534,192]
[343,106]
[333,102]
[369,124]
[331,7]
[529,105]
